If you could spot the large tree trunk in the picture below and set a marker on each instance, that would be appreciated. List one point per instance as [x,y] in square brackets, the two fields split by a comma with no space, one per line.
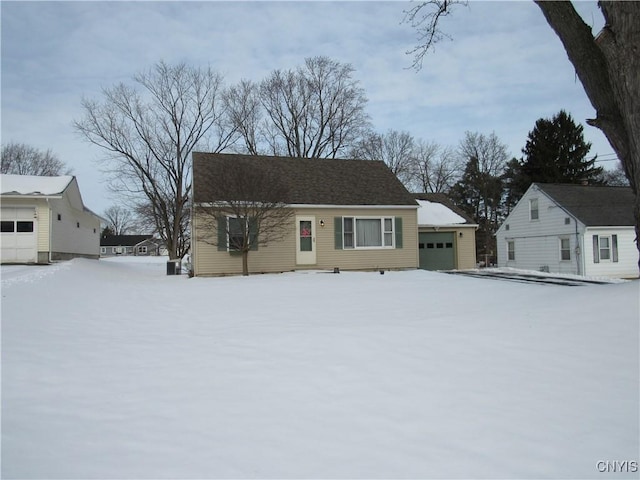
[608,67]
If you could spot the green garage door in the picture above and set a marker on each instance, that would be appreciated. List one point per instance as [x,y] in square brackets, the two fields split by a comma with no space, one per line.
[437,251]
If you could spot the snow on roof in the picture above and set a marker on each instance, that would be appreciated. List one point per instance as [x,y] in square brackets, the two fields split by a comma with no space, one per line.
[34,185]
[431,213]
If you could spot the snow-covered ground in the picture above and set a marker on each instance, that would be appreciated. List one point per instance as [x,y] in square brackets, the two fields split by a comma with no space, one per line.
[111,369]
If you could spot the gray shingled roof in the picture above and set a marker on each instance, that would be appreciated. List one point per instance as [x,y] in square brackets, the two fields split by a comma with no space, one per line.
[307,181]
[594,205]
[123,240]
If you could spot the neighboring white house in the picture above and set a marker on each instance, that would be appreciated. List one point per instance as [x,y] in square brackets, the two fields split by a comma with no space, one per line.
[44,219]
[579,229]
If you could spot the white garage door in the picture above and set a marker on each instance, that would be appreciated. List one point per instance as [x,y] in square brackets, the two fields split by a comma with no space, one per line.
[18,235]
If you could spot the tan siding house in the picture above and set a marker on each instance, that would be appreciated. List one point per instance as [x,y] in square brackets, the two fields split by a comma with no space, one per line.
[343,214]
[44,219]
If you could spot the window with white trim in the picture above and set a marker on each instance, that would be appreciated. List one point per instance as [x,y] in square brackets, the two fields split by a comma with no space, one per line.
[103,249]
[367,232]
[565,249]
[511,250]
[605,248]
[235,238]
[142,249]
[534,213]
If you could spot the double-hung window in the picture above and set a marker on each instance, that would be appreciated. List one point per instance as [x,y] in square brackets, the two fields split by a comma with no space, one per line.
[368,232]
[511,250]
[534,213]
[565,249]
[236,233]
[233,232]
[605,248]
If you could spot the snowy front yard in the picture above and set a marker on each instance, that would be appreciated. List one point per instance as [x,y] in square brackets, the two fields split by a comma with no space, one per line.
[111,369]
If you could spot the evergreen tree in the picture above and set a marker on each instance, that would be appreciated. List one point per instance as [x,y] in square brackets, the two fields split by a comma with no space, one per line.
[556,152]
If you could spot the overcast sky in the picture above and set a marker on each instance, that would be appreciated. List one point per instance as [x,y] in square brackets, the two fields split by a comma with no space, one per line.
[503,69]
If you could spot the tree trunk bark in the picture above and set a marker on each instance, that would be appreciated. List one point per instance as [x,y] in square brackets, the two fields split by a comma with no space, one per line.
[608,67]
[245,263]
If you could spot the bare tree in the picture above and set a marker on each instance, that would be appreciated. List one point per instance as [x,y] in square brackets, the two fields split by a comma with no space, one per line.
[615,177]
[120,220]
[480,189]
[435,168]
[252,210]
[394,148]
[149,133]
[22,159]
[246,114]
[607,65]
[316,111]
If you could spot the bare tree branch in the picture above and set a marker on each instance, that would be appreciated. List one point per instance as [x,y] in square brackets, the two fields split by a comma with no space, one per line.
[21,159]
[250,210]
[149,134]
[316,111]
[425,18]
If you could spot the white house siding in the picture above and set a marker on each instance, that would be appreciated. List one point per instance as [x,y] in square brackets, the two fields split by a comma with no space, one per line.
[627,264]
[537,242]
[281,256]
[77,233]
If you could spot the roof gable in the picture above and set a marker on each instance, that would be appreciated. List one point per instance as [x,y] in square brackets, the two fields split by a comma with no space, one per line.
[593,205]
[304,181]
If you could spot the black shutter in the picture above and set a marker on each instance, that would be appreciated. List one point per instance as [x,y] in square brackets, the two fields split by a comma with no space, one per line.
[222,234]
[596,249]
[398,228]
[337,226]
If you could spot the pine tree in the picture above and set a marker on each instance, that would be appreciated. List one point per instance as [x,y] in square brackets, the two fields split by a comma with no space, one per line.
[556,152]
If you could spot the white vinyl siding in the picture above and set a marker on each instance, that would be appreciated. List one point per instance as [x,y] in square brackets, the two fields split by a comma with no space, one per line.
[537,241]
[615,255]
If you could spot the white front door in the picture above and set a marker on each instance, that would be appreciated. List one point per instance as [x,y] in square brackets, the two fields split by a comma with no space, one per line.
[306,240]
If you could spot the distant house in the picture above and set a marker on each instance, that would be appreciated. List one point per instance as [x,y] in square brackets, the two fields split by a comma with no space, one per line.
[577,229]
[347,214]
[446,235]
[44,219]
[138,245]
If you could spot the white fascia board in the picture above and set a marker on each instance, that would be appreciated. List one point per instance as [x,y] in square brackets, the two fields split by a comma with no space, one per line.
[28,196]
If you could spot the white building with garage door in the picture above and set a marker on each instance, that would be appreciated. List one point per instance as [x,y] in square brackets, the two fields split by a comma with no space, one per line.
[43,219]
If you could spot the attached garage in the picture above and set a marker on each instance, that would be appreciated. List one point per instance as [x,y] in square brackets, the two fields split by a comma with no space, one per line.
[446,235]
[436,250]
[18,237]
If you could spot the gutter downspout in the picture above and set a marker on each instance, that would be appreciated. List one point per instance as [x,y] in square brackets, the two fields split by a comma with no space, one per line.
[50,228]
